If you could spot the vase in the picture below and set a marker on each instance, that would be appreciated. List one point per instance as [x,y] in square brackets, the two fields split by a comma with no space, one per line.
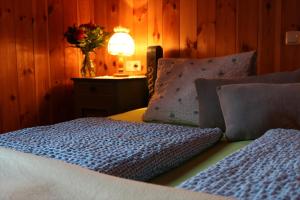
[88,68]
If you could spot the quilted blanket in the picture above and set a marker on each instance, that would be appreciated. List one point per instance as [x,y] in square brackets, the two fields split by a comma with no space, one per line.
[268,168]
[137,151]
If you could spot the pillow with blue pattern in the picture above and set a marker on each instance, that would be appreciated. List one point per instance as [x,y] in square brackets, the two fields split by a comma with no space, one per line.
[175,97]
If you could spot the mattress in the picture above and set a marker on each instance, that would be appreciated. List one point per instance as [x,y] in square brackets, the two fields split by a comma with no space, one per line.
[268,168]
[194,165]
[131,150]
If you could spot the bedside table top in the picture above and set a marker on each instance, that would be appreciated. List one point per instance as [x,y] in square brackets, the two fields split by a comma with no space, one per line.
[110,78]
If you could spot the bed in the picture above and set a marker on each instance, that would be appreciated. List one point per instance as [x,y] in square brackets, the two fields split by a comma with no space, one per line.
[138,151]
[190,157]
[190,168]
[265,168]
[261,114]
[268,168]
[24,176]
[33,177]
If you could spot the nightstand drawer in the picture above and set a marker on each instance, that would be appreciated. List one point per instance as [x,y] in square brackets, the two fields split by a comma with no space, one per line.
[94,88]
[95,101]
[103,96]
[92,112]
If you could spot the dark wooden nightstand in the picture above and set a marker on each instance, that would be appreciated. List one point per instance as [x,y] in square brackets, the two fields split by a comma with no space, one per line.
[107,95]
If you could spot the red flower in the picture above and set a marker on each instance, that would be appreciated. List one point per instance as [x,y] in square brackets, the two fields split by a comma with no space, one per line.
[86,37]
[79,35]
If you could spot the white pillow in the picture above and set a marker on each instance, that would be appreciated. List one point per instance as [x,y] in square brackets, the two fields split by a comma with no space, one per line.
[175,96]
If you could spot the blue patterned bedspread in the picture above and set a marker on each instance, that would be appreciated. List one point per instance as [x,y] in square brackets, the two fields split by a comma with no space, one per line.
[131,150]
[268,168]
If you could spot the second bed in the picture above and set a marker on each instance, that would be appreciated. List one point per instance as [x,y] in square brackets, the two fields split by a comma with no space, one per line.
[194,165]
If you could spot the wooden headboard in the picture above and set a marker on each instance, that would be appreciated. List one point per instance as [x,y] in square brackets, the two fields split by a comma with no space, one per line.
[153,54]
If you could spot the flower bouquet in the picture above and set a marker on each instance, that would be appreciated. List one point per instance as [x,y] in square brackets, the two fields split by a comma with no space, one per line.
[87,37]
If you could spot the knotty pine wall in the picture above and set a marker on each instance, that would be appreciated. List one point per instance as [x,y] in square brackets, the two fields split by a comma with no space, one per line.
[36,64]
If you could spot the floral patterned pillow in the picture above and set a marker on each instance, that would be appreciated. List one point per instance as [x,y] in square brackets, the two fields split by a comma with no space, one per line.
[175,96]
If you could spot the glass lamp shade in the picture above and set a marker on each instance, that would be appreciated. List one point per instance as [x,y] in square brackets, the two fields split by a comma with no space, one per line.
[121,43]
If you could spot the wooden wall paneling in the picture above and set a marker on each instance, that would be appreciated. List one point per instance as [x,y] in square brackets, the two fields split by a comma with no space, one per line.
[113,13]
[2,114]
[84,10]
[247,25]
[140,31]
[126,18]
[25,63]
[225,27]
[100,18]
[41,60]
[72,61]
[279,35]
[188,28]
[171,28]
[92,11]
[155,22]
[290,22]
[268,55]
[71,54]
[56,60]
[85,13]
[126,14]
[36,66]
[206,28]
[2,97]
[9,98]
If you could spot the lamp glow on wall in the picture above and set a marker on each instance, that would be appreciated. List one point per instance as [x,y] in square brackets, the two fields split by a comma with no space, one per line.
[121,44]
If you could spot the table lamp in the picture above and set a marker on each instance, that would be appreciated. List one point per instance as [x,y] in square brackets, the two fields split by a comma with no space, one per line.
[121,44]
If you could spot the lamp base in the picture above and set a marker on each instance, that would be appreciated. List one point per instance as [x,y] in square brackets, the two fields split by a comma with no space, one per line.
[120,75]
[120,71]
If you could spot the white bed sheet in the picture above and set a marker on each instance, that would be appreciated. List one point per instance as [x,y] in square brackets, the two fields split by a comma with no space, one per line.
[25,176]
